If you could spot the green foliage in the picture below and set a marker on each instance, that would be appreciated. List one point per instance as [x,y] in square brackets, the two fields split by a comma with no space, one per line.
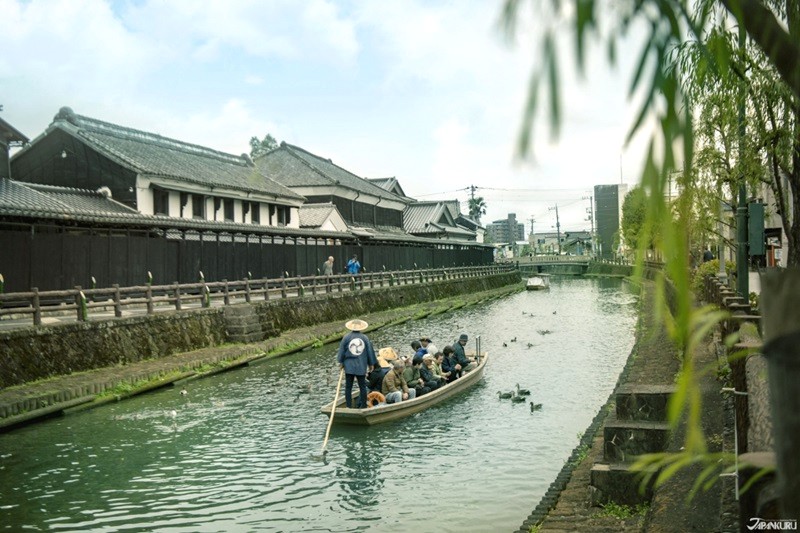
[634,213]
[262,146]
[477,207]
[672,93]
[709,267]
[754,302]
[623,512]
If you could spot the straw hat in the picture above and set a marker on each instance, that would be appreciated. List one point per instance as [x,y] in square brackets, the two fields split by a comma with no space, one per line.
[356,325]
[383,362]
[388,353]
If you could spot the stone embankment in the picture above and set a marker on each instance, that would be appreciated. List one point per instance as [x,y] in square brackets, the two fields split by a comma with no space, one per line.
[292,327]
[597,471]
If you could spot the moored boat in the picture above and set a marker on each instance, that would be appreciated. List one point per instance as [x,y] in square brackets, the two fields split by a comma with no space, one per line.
[388,412]
[539,282]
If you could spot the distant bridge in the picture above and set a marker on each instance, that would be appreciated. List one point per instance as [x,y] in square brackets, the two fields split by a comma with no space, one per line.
[556,264]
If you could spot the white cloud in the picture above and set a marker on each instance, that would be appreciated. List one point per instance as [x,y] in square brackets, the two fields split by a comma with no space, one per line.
[282,29]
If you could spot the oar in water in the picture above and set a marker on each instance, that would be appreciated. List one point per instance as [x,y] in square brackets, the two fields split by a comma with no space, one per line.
[333,411]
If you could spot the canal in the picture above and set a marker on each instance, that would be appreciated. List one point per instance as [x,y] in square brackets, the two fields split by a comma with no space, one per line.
[238,451]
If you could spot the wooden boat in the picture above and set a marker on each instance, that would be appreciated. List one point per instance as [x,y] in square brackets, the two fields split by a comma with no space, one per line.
[540,282]
[386,413]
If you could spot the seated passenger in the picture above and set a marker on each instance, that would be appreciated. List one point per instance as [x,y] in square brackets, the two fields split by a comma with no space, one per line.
[428,345]
[450,364]
[419,351]
[432,381]
[413,376]
[394,387]
[438,371]
[375,378]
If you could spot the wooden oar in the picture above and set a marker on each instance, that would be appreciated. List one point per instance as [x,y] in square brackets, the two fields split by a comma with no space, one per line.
[333,411]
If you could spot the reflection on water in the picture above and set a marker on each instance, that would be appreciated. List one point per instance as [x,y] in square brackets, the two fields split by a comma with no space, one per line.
[241,450]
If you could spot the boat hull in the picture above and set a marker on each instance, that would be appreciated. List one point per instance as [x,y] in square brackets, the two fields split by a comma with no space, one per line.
[396,411]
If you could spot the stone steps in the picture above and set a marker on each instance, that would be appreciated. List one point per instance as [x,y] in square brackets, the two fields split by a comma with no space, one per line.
[627,439]
[638,426]
[242,324]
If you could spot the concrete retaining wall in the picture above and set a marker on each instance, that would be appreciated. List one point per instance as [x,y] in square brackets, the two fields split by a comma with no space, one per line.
[36,353]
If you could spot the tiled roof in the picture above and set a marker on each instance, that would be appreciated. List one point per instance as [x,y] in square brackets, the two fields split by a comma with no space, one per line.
[315,215]
[390,184]
[19,198]
[425,217]
[296,167]
[11,134]
[24,200]
[154,155]
[82,200]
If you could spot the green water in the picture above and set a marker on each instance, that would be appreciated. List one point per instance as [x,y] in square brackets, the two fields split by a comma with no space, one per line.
[238,453]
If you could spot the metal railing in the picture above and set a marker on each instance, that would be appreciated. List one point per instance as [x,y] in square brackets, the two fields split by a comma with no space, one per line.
[82,302]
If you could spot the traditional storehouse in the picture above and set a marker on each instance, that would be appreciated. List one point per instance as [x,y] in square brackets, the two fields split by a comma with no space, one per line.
[153,174]
[360,202]
[434,220]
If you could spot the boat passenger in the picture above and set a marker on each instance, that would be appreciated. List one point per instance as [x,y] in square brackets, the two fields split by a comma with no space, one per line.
[375,378]
[431,380]
[413,376]
[443,376]
[428,345]
[419,351]
[357,358]
[450,364]
[394,387]
[467,363]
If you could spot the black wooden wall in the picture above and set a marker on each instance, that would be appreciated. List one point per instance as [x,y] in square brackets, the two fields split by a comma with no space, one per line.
[54,257]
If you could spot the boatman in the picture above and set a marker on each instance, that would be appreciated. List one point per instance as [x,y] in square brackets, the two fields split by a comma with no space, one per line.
[467,363]
[357,358]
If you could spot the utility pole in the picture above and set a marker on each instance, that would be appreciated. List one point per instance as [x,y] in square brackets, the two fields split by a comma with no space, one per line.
[558,228]
[591,221]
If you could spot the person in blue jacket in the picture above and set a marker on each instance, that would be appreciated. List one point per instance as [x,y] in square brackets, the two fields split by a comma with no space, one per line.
[357,357]
[353,266]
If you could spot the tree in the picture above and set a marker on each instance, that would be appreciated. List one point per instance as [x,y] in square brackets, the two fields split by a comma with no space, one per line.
[634,212]
[259,147]
[666,95]
[477,207]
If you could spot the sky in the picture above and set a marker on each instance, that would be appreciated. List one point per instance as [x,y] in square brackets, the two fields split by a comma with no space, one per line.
[430,92]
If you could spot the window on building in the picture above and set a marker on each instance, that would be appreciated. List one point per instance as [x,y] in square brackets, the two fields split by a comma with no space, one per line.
[198,206]
[255,210]
[245,210]
[217,205]
[160,202]
[229,209]
[184,202]
[284,215]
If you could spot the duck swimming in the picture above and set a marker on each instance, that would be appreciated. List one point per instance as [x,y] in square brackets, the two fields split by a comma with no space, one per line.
[522,392]
[517,398]
[504,395]
[535,407]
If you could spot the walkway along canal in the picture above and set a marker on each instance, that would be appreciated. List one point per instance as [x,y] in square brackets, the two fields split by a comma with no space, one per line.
[235,453]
